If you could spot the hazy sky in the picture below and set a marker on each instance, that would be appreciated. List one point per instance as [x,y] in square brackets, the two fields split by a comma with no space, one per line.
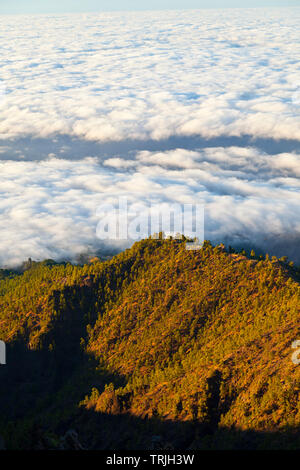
[61,6]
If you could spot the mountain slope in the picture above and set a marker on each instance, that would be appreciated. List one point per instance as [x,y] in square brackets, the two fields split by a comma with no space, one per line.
[192,344]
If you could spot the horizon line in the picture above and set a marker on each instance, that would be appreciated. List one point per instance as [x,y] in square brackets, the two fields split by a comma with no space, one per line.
[145,10]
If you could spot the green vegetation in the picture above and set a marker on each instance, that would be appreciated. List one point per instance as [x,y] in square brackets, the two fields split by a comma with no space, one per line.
[192,345]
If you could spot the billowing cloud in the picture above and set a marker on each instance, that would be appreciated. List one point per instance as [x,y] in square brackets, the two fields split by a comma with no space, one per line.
[49,208]
[111,77]
[184,107]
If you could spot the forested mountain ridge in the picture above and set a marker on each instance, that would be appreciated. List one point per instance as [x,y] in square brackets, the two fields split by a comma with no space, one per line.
[193,346]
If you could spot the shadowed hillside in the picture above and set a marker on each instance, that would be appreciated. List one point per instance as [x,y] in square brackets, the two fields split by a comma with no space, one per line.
[158,346]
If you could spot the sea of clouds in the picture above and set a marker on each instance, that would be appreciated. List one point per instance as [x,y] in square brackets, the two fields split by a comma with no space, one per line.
[181,106]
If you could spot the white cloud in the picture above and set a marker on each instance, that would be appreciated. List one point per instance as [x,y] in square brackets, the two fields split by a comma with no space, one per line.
[48,208]
[119,163]
[116,76]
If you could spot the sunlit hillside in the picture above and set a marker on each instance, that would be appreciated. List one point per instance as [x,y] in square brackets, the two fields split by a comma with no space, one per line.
[158,346]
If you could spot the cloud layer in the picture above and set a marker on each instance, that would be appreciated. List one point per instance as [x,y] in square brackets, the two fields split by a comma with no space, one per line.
[103,105]
[49,208]
[110,77]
